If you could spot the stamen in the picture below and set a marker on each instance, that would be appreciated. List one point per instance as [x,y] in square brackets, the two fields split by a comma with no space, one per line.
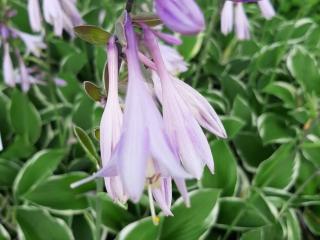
[155,218]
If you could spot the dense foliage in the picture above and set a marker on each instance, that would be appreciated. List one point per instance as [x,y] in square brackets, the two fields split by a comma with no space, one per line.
[267,175]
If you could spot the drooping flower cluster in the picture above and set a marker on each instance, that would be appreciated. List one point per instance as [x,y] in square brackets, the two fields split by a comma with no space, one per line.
[233,14]
[20,74]
[147,145]
[61,14]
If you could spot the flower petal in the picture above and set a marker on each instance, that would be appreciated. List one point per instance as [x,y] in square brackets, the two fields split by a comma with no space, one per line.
[34,15]
[181,16]
[227,17]
[241,22]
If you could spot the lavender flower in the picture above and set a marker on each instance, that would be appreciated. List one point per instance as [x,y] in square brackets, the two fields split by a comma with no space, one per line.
[34,43]
[185,135]
[181,16]
[239,17]
[7,67]
[142,126]
[267,9]
[61,14]
[227,17]
[110,126]
[34,15]
[197,104]
[241,22]
[142,147]
[143,154]
[22,74]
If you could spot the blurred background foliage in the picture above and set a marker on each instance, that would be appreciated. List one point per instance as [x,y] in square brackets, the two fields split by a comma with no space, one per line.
[266,90]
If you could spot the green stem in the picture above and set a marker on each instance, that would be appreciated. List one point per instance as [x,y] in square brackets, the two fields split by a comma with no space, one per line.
[98,209]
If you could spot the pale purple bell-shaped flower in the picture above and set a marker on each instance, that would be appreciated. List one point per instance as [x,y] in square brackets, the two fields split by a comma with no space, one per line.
[53,14]
[227,17]
[173,61]
[182,16]
[34,43]
[238,17]
[201,109]
[110,125]
[7,67]
[24,77]
[62,15]
[267,9]
[143,154]
[185,134]
[197,104]
[143,138]
[70,10]
[34,15]
[241,22]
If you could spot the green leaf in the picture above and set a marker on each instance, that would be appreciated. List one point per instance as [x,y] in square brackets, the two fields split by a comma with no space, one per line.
[273,129]
[73,62]
[93,91]
[8,172]
[82,227]
[86,144]
[4,235]
[233,125]
[285,91]
[311,151]
[269,56]
[293,226]
[194,222]
[224,178]
[190,46]
[37,224]
[280,170]
[251,156]
[312,219]
[300,114]
[25,119]
[37,169]
[19,148]
[72,88]
[272,232]
[67,200]
[233,87]
[304,69]
[5,127]
[113,216]
[243,214]
[143,229]
[241,109]
[83,112]
[92,34]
